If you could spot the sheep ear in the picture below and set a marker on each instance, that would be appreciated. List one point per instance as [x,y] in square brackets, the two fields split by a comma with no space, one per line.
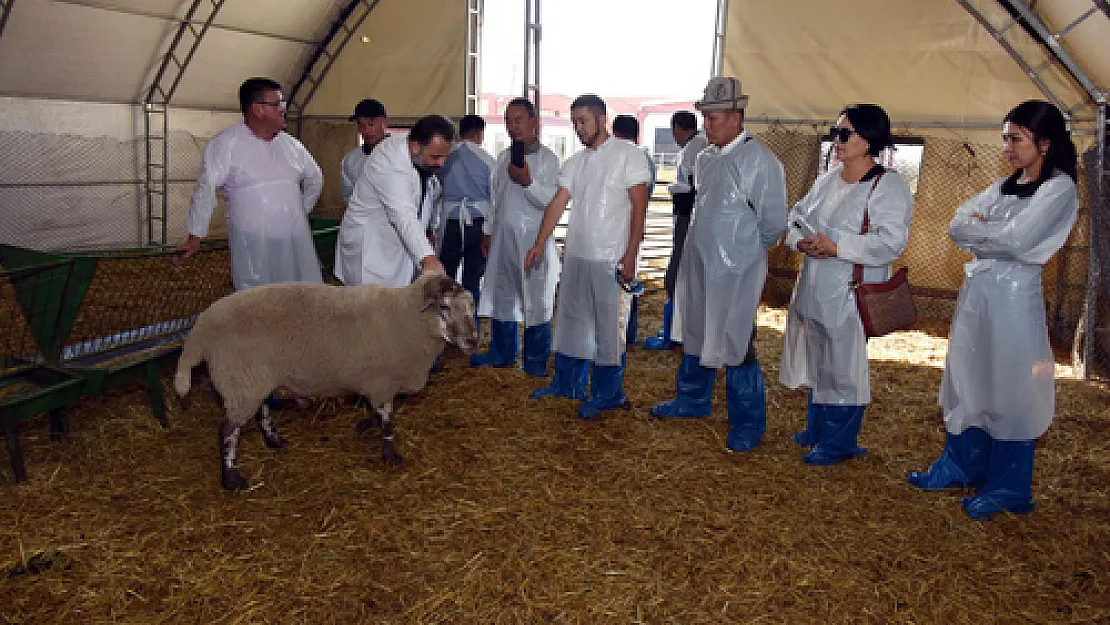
[434,288]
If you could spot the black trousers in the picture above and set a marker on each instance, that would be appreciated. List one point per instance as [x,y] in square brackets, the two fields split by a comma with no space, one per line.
[681,225]
[465,248]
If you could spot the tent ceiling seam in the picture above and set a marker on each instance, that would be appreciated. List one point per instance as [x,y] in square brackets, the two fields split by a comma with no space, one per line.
[173,18]
[345,25]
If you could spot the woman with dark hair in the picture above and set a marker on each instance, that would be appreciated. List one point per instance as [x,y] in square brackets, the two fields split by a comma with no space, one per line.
[998,387]
[825,347]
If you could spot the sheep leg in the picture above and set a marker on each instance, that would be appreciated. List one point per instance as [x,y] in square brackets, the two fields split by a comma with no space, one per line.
[229,468]
[389,451]
[273,438]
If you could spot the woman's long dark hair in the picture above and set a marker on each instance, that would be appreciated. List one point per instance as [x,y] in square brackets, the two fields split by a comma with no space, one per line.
[1046,123]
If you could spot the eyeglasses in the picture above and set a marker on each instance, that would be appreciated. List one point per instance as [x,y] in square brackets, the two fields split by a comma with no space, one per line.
[279,103]
[841,134]
[632,287]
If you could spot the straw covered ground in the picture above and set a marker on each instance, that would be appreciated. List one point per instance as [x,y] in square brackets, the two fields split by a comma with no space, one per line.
[514,511]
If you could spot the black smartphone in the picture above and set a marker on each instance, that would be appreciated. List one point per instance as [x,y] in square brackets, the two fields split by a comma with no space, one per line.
[516,154]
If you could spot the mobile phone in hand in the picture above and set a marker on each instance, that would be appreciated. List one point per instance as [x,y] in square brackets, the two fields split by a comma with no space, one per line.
[516,154]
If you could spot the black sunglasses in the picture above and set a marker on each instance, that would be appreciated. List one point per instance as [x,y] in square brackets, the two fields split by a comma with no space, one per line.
[841,134]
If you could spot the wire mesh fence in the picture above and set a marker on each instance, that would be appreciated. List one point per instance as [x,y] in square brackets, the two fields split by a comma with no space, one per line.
[950,172]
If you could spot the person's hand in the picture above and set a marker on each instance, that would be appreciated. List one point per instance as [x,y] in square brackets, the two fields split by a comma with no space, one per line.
[431,264]
[185,250]
[818,246]
[533,257]
[520,175]
[485,245]
[628,266]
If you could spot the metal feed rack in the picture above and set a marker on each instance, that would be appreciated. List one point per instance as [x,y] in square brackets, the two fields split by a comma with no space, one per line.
[79,323]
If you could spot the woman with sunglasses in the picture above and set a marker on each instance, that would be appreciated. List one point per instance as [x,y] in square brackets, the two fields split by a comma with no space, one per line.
[998,387]
[825,347]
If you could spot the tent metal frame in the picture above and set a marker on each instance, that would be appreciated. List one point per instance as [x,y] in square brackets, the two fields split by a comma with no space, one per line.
[155,105]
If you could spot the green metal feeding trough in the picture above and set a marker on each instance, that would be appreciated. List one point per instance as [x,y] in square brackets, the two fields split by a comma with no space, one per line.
[80,322]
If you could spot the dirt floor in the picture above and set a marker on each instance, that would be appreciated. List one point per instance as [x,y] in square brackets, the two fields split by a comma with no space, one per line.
[509,510]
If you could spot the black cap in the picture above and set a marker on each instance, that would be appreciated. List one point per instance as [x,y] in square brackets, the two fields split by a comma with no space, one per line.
[368,108]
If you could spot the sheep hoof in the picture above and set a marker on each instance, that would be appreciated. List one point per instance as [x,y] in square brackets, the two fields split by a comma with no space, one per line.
[232,479]
[274,441]
[392,458]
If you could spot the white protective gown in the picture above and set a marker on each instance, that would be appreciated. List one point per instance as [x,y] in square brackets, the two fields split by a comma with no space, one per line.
[592,311]
[349,171]
[825,347]
[510,293]
[383,233]
[999,375]
[269,187]
[740,212]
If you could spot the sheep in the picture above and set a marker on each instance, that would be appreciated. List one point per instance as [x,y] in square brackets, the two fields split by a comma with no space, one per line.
[315,339]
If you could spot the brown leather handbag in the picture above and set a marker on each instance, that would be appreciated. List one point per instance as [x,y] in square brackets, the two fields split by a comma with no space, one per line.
[884,307]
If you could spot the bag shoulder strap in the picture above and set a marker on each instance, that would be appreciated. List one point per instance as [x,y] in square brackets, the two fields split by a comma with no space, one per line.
[857,270]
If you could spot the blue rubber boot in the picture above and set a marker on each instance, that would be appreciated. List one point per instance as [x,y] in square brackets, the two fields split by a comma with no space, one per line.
[962,464]
[747,406]
[633,330]
[606,391]
[808,436]
[663,339]
[537,349]
[503,345]
[837,430]
[694,389]
[570,380]
[1009,481]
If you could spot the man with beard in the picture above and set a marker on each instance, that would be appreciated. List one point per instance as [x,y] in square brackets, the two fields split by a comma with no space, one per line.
[371,121]
[269,182]
[608,183]
[383,236]
[512,294]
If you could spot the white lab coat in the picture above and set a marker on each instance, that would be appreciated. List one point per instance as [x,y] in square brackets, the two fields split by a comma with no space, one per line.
[999,375]
[383,233]
[269,187]
[349,171]
[740,213]
[592,311]
[687,160]
[825,347]
[510,293]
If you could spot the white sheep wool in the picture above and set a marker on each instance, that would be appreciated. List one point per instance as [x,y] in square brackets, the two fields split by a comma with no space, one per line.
[269,187]
[1000,373]
[511,293]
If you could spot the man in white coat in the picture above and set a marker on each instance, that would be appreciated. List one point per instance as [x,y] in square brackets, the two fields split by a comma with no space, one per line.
[608,183]
[383,236]
[511,293]
[371,121]
[740,213]
[269,182]
[684,128]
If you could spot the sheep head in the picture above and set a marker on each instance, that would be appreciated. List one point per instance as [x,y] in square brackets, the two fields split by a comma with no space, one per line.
[455,307]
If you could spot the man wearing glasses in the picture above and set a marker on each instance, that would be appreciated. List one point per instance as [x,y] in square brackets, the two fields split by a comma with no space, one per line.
[269,183]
